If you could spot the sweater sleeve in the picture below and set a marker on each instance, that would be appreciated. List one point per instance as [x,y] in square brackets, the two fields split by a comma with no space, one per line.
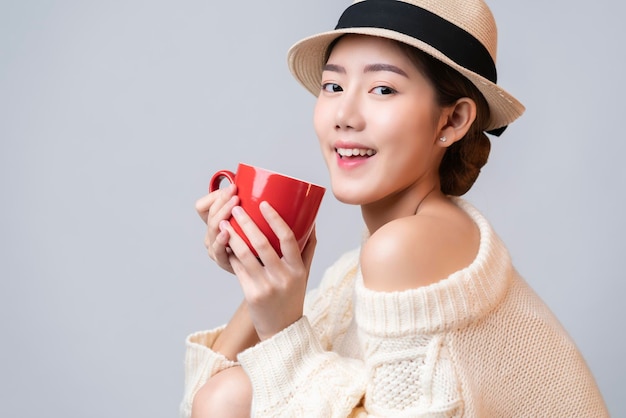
[201,362]
[292,376]
[403,376]
[304,370]
[328,307]
[296,372]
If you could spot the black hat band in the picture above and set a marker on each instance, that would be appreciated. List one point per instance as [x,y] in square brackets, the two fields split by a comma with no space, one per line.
[454,42]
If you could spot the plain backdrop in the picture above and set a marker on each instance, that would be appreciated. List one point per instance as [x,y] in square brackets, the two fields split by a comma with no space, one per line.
[114,114]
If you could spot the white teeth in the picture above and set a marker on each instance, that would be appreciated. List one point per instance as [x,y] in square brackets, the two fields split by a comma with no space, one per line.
[349,152]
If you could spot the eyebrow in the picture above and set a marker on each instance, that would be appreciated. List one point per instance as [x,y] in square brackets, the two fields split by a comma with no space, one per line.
[384,67]
[334,68]
[368,68]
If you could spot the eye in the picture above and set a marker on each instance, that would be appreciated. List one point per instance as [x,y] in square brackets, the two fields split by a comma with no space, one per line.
[331,87]
[383,90]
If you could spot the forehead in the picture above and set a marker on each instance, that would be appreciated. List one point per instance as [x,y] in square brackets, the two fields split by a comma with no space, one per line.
[367,47]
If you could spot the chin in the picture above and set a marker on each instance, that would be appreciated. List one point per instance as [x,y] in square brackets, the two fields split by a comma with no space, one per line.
[349,197]
[348,201]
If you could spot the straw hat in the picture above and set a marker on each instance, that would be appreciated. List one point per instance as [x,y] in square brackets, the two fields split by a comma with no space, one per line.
[460,33]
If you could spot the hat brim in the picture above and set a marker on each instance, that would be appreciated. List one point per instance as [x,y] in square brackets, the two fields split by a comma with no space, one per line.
[306,61]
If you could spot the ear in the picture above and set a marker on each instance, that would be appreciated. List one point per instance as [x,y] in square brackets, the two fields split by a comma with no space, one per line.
[455,121]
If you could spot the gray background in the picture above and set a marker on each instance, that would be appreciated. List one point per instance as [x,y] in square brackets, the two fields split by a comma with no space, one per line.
[114,114]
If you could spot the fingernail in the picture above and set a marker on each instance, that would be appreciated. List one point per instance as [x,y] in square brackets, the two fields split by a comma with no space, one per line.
[264,206]
[237,211]
[223,225]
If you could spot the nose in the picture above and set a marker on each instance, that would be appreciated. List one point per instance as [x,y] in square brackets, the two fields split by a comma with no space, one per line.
[349,113]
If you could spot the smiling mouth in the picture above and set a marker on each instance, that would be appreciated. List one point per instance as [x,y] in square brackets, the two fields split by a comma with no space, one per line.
[354,152]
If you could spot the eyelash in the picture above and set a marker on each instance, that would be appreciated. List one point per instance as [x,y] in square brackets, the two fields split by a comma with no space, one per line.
[335,88]
[388,89]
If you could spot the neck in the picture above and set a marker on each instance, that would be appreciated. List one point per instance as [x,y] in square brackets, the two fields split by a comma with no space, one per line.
[406,202]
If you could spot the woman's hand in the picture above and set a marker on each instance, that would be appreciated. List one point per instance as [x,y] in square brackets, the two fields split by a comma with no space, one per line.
[274,287]
[214,209]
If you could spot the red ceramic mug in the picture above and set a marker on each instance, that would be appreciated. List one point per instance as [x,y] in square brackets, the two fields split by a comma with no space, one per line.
[296,201]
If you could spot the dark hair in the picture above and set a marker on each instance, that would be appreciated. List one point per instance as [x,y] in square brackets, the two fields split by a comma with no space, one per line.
[463,160]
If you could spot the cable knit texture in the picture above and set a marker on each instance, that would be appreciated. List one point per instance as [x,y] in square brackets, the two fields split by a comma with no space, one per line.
[479,343]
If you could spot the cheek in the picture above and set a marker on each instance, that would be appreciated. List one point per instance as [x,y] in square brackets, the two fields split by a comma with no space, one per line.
[391,126]
[322,120]
[319,118]
[404,122]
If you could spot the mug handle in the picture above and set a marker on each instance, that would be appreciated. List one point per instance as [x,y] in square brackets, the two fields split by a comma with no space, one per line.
[218,177]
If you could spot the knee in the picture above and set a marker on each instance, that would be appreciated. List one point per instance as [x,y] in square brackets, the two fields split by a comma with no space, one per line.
[228,394]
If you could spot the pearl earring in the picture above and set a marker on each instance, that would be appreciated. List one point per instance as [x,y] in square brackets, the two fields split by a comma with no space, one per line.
[443,139]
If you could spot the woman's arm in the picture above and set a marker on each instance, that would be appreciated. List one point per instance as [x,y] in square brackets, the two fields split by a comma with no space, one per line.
[210,366]
[238,335]
[328,308]
[211,352]
[293,375]
[201,363]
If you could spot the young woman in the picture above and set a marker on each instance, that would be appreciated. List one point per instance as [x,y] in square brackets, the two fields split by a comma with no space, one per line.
[428,318]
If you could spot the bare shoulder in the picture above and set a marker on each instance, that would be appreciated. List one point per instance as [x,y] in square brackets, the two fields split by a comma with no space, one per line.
[419,250]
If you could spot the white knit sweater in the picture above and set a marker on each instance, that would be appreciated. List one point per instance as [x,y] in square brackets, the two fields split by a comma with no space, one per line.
[479,343]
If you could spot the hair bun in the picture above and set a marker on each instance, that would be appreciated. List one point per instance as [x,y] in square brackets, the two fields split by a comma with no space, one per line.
[462,163]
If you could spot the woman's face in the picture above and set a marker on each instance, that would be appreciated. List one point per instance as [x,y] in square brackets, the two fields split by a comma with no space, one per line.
[377,121]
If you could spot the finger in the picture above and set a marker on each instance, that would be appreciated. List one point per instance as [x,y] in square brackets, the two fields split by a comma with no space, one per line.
[219,211]
[309,250]
[255,236]
[203,204]
[216,215]
[288,244]
[221,252]
[250,282]
[242,252]
[238,268]
[213,199]
[223,236]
